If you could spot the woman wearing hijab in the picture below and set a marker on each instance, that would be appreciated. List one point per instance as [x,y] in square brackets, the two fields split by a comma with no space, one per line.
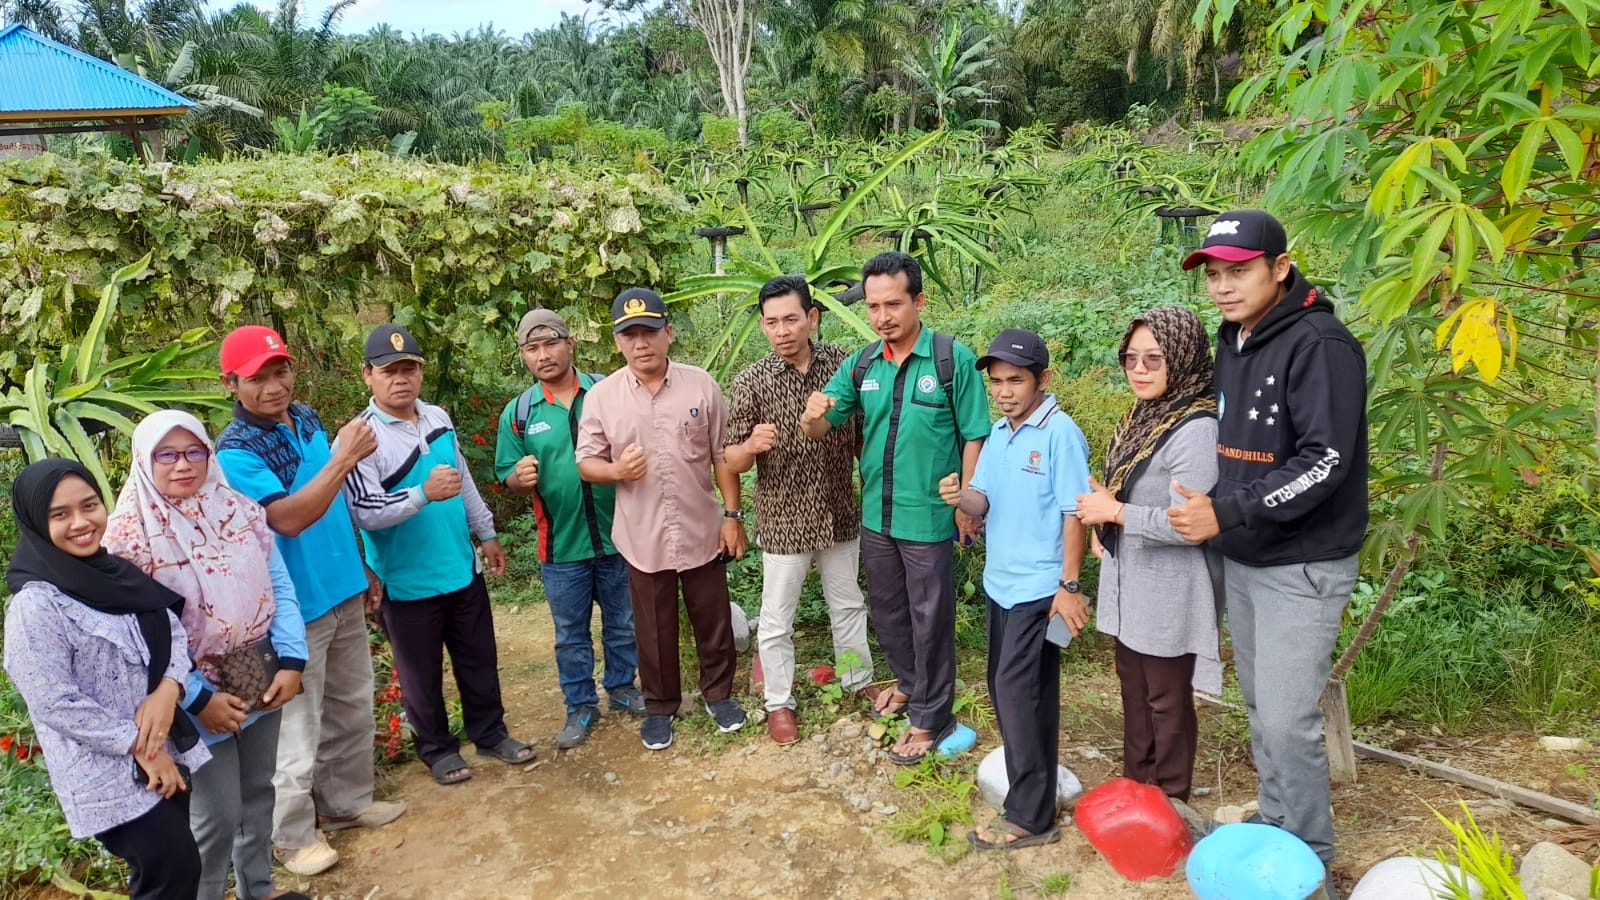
[179,521]
[1157,595]
[97,651]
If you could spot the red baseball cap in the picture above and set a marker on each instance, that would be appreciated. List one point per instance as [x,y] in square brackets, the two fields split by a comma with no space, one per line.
[246,349]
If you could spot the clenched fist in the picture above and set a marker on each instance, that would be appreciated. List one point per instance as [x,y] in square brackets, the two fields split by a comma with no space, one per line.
[631,467]
[950,488]
[443,483]
[817,406]
[761,439]
[356,441]
[527,472]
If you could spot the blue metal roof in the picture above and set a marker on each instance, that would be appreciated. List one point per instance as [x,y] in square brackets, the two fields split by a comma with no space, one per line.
[41,79]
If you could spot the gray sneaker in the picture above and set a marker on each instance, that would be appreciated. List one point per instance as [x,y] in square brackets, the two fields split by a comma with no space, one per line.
[627,698]
[728,713]
[576,731]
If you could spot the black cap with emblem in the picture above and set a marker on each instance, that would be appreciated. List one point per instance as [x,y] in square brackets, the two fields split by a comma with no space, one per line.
[1019,347]
[638,306]
[389,344]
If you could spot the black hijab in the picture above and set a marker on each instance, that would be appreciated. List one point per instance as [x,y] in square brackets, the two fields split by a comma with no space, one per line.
[103,582]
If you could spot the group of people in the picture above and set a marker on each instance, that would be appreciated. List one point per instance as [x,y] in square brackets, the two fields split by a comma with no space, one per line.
[1242,479]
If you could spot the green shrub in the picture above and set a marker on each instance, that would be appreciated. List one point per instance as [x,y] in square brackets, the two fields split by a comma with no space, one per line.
[719,132]
[780,128]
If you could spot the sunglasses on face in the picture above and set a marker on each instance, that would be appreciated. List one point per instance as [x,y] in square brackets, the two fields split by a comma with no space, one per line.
[1152,361]
[195,455]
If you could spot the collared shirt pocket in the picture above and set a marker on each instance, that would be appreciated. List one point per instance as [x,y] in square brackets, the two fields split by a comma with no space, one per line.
[697,440]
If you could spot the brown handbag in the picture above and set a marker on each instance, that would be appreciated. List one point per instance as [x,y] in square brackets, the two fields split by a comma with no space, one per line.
[247,672]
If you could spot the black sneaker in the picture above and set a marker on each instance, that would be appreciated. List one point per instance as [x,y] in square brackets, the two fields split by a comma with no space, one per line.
[656,732]
[629,698]
[728,713]
[579,721]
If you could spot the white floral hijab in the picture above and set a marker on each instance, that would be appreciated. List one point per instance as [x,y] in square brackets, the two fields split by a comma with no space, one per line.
[213,548]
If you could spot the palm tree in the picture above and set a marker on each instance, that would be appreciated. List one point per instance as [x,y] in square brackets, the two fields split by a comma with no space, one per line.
[949,75]
[42,16]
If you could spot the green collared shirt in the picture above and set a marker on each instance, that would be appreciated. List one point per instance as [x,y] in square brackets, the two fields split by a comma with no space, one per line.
[574,516]
[910,432]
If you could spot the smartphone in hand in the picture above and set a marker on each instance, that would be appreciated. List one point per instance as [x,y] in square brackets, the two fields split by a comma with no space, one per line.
[1057,631]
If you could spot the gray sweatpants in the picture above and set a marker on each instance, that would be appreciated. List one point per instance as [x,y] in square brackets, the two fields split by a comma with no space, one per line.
[1284,621]
[326,741]
[912,594]
[231,812]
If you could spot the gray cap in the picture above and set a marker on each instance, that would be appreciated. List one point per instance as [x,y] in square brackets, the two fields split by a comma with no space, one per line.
[537,321]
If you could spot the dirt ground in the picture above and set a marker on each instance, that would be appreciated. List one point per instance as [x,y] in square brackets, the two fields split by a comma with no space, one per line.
[737,816]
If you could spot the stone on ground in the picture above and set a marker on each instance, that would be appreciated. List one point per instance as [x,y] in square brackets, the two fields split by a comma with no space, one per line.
[1550,867]
[993,783]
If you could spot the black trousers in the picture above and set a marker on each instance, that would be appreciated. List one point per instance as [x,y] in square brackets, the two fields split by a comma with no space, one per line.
[1025,685]
[911,592]
[163,861]
[1160,730]
[420,631]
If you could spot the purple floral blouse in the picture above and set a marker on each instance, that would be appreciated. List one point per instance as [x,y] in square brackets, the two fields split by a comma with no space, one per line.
[83,674]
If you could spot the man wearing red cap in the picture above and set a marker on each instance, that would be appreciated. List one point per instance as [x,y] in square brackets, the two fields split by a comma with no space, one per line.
[1289,509]
[277,452]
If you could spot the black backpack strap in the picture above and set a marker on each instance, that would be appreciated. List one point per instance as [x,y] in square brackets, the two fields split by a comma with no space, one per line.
[944,365]
[863,363]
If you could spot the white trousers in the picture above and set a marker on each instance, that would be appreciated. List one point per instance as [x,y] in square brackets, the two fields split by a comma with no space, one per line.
[783,575]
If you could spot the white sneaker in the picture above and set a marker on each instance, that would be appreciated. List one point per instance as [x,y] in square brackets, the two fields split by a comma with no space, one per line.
[307,861]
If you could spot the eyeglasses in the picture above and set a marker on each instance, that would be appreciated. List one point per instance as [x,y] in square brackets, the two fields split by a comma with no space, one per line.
[169,457]
[1152,361]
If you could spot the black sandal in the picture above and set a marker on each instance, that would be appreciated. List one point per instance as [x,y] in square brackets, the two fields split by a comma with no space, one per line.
[510,751]
[452,769]
[911,759]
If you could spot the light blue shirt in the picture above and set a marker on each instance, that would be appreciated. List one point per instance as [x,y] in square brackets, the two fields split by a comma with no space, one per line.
[1032,477]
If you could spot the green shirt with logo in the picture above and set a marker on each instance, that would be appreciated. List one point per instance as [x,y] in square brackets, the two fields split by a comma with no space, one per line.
[574,516]
[911,435]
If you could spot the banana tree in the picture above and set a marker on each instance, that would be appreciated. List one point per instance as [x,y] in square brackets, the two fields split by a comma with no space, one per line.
[829,260]
[60,402]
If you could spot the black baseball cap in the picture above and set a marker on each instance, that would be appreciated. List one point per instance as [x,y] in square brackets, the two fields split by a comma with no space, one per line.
[1019,347]
[389,344]
[638,306]
[1241,235]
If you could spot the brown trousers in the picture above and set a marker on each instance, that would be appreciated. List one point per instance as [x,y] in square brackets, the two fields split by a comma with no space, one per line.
[1160,730]
[655,624]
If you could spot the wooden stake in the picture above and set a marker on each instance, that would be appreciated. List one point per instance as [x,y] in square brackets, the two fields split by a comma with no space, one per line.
[1336,733]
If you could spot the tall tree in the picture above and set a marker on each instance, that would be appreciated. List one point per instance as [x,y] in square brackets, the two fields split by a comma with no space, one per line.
[950,75]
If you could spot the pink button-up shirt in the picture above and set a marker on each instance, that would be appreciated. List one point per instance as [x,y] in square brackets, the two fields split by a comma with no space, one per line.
[670,519]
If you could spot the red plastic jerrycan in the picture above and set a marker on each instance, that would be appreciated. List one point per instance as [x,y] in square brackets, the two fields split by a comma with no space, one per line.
[1134,828]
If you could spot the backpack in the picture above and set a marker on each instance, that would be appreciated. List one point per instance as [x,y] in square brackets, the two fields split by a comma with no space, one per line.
[944,365]
[519,421]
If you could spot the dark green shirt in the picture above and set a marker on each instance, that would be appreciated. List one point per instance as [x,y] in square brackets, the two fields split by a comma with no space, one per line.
[574,516]
[910,435]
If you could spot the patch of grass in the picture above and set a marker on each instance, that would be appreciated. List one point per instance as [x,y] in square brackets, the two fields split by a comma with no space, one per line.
[942,797]
[1055,884]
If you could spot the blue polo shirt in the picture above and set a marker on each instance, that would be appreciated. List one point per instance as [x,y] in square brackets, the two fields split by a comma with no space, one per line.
[267,461]
[1032,477]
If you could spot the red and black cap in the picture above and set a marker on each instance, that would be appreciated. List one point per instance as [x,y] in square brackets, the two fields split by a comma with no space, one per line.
[1241,235]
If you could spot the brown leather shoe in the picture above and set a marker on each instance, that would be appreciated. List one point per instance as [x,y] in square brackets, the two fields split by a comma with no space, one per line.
[781,727]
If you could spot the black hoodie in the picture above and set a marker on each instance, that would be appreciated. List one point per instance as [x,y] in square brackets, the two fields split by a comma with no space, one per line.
[1292,435]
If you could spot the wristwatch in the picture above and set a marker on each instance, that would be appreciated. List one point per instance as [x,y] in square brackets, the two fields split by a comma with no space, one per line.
[1071,587]
[733,514]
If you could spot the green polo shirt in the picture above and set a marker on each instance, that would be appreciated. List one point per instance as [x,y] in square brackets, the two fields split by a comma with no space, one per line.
[909,435]
[574,516]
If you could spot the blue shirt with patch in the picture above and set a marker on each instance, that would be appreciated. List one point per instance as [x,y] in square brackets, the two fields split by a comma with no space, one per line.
[266,461]
[1032,477]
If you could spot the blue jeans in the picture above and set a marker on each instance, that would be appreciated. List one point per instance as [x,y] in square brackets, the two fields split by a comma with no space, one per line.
[572,589]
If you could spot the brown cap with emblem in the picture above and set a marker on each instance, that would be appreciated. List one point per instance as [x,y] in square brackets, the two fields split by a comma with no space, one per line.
[541,324]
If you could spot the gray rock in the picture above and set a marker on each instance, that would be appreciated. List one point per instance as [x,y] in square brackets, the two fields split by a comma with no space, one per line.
[1490,809]
[851,732]
[994,783]
[1543,894]
[889,810]
[611,778]
[1551,867]
[819,738]
[1409,878]
[1229,815]
[1559,744]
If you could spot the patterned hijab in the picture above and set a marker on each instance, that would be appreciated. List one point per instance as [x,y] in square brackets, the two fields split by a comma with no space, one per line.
[212,548]
[1146,425]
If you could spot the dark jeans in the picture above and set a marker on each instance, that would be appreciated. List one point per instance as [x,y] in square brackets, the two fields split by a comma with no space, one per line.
[163,861]
[911,591]
[1025,685]
[1160,730]
[420,631]
[573,590]
[655,616]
